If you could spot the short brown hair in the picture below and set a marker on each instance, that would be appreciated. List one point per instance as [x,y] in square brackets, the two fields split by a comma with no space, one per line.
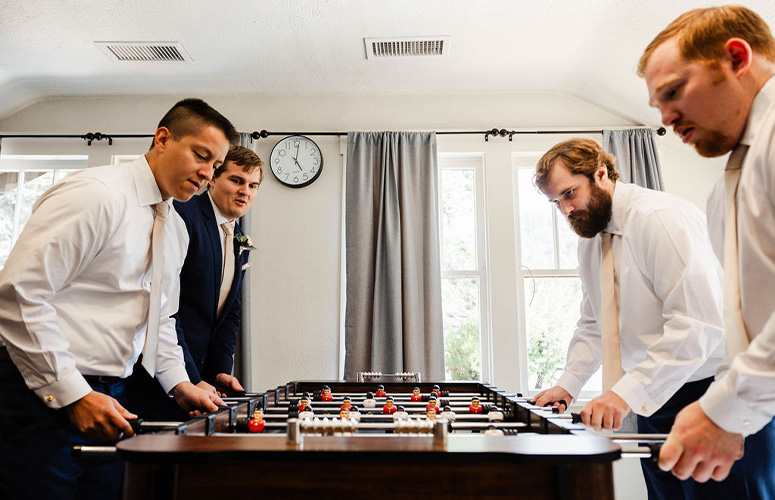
[245,158]
[189,116]
[580,156]
[702,34]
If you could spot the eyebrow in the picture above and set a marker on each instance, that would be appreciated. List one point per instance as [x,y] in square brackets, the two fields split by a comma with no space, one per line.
[660,88]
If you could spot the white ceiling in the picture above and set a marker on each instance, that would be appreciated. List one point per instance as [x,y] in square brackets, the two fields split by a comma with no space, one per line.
[587,48]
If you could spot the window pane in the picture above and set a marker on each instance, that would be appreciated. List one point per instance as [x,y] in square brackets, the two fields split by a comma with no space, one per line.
[551,314]
[35,183]
[8,189]
[458,206]
[460,304]
[535,218]
[568,244]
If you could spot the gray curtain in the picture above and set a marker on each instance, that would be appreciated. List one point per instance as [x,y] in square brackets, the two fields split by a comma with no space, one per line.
[242,362]
[636,156]
[393,318]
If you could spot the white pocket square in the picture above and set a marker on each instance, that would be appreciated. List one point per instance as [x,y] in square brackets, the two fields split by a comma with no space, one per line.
[245,266]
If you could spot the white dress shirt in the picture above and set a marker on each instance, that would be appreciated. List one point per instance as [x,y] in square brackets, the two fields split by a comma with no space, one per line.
[74,292]
[742,399]
[670,295]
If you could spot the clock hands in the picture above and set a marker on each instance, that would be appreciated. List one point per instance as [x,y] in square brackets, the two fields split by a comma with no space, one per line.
[297,155]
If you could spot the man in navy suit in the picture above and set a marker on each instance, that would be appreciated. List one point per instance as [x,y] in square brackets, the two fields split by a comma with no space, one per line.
[209,315]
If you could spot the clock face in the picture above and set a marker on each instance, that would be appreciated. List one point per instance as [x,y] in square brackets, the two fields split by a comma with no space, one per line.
[296,161]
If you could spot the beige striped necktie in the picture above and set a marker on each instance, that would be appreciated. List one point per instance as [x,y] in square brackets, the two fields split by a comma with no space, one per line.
[612,354]
[151,347]
[736,333]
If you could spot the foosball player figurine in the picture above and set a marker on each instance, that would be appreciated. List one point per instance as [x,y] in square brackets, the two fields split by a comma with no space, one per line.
[355,414]
[380,391]
[369,402]
[432,405]
[303,403]
[436,391]
[346,403]
[448,413]
[493,431]
[326,396]
[430,414]
[256,424]
[495,414]
[475,406]
[344,414]
[415,395]
[400,414]
[307,413]
[389,409]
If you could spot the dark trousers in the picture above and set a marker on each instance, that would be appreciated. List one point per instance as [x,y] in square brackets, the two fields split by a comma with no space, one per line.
[147,399]
[36,442]
[752,477]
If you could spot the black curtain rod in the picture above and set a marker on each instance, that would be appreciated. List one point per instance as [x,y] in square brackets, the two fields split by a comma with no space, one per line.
[98,136]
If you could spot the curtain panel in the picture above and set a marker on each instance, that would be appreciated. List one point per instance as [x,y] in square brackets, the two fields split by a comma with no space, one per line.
[636,156]
[393,319]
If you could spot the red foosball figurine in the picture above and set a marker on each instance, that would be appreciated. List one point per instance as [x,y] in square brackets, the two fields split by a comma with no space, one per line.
[389,409]
[326,396]
[346,403]
[380,391]
[416,396]
[432,405]
[256,424]
[303,403]
[436,391]
[475,407]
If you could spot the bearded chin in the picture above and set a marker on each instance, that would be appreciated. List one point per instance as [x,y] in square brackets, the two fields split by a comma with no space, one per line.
[717,144]
[597,215]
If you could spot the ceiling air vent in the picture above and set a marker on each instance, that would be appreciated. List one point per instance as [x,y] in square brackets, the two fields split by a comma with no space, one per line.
[406,46]
[145,51]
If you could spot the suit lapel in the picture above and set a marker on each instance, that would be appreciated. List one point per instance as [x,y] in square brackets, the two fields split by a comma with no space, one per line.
[215,246]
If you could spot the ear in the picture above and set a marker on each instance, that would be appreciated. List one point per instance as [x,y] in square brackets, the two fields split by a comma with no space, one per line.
[740,54]
[162,138]
[601,174]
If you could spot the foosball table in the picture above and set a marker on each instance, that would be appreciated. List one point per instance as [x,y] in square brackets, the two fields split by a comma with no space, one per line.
[482,443]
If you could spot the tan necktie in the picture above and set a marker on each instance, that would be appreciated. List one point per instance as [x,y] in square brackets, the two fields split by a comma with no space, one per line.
[736,333]
[157,270]
[612,354]
[228,266]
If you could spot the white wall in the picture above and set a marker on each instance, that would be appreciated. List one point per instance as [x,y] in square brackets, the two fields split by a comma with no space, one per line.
[296,271]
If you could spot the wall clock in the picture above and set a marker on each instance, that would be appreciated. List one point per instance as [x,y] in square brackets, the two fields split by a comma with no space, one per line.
[296,161]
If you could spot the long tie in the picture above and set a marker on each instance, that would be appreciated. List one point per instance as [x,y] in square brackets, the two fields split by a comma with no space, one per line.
[612,355]
[228,266]
[736,333]
[151,347]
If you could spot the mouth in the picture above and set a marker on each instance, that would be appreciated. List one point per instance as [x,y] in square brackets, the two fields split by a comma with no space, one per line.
[240,203]
[685,134]
[195,184]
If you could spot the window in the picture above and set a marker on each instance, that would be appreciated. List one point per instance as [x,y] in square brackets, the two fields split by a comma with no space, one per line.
[549,280]
[463,267]
[23,178]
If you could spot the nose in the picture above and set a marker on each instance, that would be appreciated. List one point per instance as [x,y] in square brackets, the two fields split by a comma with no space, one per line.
[669,115]
[566,207]
[206,172]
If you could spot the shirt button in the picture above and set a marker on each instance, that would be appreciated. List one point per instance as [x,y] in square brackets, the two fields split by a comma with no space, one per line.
[747,424]
[644,408]
[49,398]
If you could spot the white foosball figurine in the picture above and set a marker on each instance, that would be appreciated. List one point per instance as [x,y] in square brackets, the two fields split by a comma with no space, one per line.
[495,415]
[493,431]
[400,414]
[448,413]
[369,402]
[355,414]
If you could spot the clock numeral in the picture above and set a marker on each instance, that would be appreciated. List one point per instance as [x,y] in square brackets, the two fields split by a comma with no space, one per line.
[296,179]
[313,152]
[313,171]
[279,170]
[281,152]
[296,144]
[286,176]
[305,177]
[315,161]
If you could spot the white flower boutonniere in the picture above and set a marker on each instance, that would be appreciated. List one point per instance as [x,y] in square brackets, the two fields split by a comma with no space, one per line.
[244,242]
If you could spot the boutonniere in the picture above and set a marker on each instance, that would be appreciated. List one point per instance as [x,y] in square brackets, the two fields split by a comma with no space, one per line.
[244,242]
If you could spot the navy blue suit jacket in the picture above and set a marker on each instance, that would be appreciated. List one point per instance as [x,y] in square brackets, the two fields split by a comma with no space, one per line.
[208,341]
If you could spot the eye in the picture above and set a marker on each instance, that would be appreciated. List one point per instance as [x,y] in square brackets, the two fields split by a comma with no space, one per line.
[569,194]
[200,156]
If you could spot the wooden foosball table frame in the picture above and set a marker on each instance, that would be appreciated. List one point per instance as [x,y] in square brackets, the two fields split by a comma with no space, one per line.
[550,458]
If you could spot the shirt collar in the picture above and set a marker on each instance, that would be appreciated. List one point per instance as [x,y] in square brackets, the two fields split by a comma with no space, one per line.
[619,202]
[219,217]
[148,192]
[763,101]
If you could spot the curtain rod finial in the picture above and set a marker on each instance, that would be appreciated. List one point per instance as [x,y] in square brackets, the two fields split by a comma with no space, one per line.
[661,131]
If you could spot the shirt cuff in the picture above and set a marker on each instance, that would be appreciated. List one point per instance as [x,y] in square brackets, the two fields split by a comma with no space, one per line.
[64,391]
[635,395]
[571,383]
[731,413]
[172,377]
